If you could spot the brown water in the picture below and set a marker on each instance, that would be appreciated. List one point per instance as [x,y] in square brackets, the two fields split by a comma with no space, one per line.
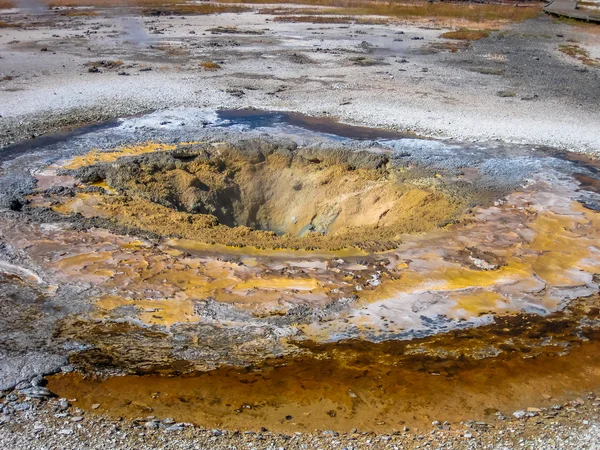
[357,387]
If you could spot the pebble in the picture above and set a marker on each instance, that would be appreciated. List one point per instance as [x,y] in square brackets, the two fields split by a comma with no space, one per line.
[36,392]
[151,425]
[520,414]
[530,409]
[96,406]
[62,404]
[21,406]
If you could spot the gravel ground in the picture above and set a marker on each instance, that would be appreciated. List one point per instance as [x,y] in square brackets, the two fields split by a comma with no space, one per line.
[515,86]
[31,423]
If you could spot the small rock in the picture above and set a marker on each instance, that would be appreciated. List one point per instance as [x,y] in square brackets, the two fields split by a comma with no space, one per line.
[21,406]
[176,427]
[62,404]
[169,421]
[36,392]
[151,425]
[520,414]
[65,431]
[217,432]
[96,406]
[76,419]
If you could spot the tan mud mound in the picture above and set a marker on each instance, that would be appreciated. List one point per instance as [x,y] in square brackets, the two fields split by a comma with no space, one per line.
[259,194]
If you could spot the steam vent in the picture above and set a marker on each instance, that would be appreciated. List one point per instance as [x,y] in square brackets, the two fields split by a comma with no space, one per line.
[299,226]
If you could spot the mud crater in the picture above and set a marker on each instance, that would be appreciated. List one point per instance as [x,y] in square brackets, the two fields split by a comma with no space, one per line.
[271,195]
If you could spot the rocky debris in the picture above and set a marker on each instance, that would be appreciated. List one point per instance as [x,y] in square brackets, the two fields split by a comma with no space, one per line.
[36,392]
[577,427]
[14,369]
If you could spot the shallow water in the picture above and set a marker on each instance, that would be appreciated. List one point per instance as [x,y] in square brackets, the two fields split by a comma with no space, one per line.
[369,387]
[260,119]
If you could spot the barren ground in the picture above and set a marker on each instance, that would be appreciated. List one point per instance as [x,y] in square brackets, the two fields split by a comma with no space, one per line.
[393,246]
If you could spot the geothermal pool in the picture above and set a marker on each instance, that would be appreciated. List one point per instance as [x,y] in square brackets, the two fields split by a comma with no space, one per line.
[266,269]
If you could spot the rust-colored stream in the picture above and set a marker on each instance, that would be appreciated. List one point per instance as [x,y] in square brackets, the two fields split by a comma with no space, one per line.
[356,388]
